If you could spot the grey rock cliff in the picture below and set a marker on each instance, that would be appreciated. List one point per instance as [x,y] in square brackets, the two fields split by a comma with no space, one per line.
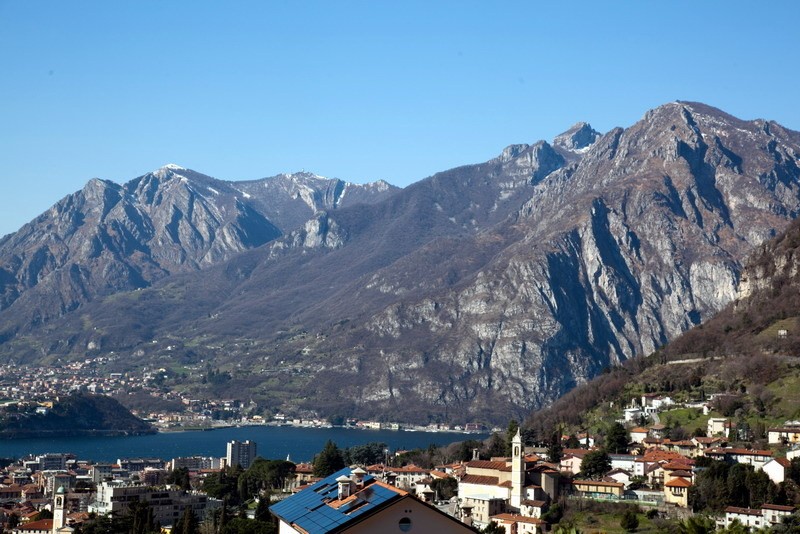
[483,291]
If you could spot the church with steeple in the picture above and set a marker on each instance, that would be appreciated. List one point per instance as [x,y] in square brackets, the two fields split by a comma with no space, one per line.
[60,513]
[56,525]
[509,490]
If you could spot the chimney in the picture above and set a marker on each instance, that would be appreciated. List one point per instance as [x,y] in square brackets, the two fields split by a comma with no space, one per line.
[358,477]
[475,455]
[344,487]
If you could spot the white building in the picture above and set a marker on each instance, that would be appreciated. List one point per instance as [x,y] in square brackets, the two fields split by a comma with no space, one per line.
[167,502]
[777,469]
[241,453]
[786,434]
[716,427]
[748,517]
[632,415]
[767,515]
[195,463]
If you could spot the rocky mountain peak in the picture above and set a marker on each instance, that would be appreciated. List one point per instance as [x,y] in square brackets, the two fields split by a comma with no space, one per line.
[512,151]
[481,290]
[579,137]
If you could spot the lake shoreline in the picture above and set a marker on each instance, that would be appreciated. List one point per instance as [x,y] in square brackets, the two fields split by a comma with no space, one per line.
[274,442]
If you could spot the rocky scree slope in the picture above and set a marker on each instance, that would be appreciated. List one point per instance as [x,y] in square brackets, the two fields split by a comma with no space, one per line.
[486,290]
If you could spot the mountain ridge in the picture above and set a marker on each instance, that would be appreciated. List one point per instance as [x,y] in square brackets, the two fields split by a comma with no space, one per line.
[484,290]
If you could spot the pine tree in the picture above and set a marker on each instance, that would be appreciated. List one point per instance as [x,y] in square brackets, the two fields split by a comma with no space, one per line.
[511,431]
[629,521]
[595,464]
[262,509]
[187,524]
[617,439]
[555,451]
[328,461]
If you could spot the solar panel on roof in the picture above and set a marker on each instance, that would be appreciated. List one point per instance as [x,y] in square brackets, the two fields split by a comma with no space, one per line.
[309,510]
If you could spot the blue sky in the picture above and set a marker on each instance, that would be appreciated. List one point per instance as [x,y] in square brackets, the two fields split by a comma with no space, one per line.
[355,90]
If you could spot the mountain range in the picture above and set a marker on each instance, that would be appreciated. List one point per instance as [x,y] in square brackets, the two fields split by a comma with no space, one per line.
[480,292]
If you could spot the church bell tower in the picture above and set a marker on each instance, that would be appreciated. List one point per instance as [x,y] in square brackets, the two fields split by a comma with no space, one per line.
[59,509]
[517,471]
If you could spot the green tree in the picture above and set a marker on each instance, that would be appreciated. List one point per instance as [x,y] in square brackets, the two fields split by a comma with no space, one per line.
[493,528]
[179,477]
[794,470]
[224,484]
[629,521]
[697,524]
[511,431]
[738,493]
[760,488]
[329,460]
[141,516]
[44,514]
[617,439]
[555,451]
[265,475]
[553,514]
[371,453]
[496,447]
[465,448]
[262,509]
[222,517]
[238,525]
[445,488]
[187,524]
[595,464]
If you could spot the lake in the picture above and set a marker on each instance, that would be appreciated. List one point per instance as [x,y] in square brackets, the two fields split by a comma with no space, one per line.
[273,442]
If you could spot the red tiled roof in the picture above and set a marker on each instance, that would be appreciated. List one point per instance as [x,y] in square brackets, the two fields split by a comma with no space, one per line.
[778,507]
[746,511]
[707,441]
[304,468]
[514,518]
[409,469]
[42,524]
[678,483]
[580,453]
[656,455]
[784,462]
[678,464]
[483,464]
[535,504]
[482,480]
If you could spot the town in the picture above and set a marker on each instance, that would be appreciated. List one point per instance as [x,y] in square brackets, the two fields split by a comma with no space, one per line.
[503,484]
[34,389]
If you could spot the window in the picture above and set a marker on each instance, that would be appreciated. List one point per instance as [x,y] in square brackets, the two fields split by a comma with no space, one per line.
[404,524]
